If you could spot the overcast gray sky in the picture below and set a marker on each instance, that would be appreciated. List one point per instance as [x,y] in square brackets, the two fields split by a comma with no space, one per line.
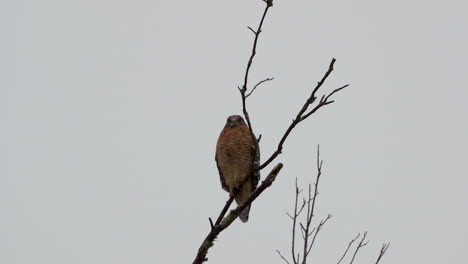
[110,112]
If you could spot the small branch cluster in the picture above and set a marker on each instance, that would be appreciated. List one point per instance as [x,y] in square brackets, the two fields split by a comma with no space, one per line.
[362,244]
[308,232]
[383,250]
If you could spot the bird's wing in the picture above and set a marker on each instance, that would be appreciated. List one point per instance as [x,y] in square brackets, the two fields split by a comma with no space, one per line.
[221,177]
[256,163]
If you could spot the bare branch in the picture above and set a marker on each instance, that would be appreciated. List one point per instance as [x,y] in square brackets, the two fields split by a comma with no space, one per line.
[305,228]
[243,90]
[349,245]
[320,226]
[302,115]
[227,221]
[311,210]
[293,254]
[361,244]
[254,48]
[383,250]
[302,207]
[258,84]
[303,234]
[259,138]
[335,91]
[285,260]
[223,212]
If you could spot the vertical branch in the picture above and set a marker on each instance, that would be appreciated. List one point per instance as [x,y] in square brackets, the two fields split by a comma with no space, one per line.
[311,208]
[254,47]
[296,214]
[243,90]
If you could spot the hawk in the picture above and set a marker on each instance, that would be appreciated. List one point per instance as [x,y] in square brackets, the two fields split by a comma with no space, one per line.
[235,159]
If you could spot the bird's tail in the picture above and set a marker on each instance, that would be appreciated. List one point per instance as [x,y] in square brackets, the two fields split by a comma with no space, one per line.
[244,215]
[241,196]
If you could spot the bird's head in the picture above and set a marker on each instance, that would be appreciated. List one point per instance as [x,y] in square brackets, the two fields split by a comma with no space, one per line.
[234,121]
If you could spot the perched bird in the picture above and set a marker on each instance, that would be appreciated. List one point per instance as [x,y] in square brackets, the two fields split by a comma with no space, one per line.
[235,159]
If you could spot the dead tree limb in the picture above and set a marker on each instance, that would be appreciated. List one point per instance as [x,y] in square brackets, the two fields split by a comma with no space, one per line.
[208,242]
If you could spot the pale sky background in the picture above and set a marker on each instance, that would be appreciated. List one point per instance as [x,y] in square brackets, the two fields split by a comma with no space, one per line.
[110,112]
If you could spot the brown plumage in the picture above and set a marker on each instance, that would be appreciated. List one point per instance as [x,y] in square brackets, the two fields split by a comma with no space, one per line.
[234,158]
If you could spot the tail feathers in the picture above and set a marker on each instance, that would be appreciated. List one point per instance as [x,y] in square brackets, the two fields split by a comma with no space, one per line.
[241,196]
[244,215]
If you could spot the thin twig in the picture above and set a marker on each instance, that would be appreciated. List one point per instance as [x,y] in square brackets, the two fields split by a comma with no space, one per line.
[258,84]
[297,212]
[349,245]
[361,244]
[320,226]
[383,250]
[285,260]
[294,223]
[311,208]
